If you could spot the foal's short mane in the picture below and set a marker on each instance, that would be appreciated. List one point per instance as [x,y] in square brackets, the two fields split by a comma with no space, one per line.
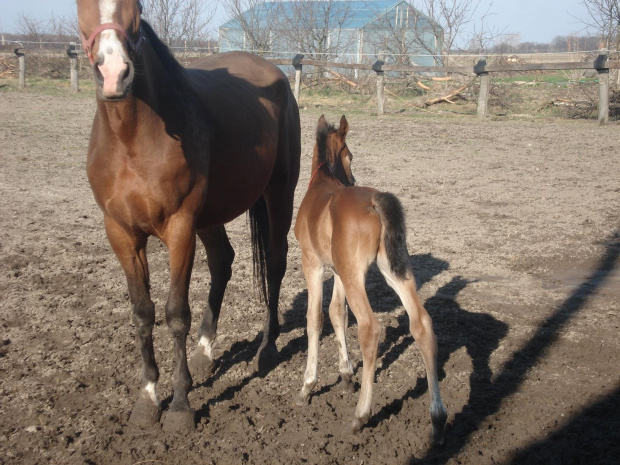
[321,140]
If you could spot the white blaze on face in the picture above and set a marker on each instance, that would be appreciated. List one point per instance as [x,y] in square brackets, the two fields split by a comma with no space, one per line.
[114,64]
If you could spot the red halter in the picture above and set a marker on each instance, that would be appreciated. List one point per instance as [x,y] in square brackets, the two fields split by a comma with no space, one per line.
[87,44]
[315,173]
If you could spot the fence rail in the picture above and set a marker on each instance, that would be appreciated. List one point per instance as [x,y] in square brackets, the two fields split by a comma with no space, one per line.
[481,70]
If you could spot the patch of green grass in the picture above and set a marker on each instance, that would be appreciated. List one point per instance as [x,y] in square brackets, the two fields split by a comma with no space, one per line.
[45,86]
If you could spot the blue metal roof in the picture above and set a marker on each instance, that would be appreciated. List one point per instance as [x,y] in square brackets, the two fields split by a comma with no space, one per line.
[345,15]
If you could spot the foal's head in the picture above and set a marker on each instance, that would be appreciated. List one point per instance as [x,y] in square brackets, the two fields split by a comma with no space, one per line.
[331,149]
[110,31]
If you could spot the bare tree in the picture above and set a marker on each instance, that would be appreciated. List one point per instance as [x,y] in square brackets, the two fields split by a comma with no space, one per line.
[317,29]
[257,22]
[433,27]
[179,21]
[604,20]
[31,28]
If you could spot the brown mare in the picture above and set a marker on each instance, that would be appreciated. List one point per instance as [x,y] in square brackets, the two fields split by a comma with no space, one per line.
[348,228]
[176,153]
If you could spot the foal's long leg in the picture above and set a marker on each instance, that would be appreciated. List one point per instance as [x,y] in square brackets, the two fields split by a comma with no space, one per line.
[131,253]
[313,271]
[220,256]
[180,237]
[368,334]
[339,317]
[421,327]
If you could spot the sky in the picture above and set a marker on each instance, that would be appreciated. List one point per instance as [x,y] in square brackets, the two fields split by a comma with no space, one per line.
[533,20]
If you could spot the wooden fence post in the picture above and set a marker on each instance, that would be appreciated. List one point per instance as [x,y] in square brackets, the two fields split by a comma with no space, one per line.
[376,67]
[483,94]
[73,61]
[297,65]
[21,58]
[600,64]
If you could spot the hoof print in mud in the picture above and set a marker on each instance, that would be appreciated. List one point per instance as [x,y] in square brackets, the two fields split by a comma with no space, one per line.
[179,421]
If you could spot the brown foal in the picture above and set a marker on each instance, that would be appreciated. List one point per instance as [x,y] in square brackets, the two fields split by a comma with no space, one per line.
[348,228]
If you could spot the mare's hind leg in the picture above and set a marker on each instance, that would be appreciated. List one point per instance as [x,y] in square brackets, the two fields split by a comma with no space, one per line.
[180,237]
[339,317]
[313,272]
[131,253]
[220,256]
[280,210]
[421,327]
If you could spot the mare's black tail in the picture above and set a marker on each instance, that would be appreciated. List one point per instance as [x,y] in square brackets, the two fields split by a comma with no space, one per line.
[259,227]
[394,232]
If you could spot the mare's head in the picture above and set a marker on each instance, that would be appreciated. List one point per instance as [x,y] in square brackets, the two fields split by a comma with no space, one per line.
[331,149]
[111,36]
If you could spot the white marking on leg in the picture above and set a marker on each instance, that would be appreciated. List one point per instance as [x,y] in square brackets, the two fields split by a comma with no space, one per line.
[149,389]
[207,346]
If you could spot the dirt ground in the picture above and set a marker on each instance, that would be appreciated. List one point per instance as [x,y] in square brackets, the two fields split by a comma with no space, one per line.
[514,234]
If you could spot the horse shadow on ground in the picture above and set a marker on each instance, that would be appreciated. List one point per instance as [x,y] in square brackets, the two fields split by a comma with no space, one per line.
[381,297]
[455,327]
[592,436]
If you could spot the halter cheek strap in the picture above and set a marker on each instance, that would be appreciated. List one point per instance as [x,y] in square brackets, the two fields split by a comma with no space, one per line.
[87,44]
[315,173]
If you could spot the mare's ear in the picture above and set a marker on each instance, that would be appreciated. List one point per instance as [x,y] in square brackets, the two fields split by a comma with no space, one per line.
[344,128]
[322,123]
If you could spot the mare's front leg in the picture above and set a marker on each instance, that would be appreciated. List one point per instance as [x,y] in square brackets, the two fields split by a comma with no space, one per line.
[180,237]
[313,271]
[130,250]
[220,256]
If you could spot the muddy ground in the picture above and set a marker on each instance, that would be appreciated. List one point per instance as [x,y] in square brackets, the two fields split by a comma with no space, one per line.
[514,234]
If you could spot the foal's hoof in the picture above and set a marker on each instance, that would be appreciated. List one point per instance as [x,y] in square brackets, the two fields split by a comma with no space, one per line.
[356,425]
[179,421]
[145,413]
[301,400]
[267,358]
[200,366]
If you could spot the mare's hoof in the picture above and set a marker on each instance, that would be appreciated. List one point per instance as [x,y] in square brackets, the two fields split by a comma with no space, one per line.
[200,366]
[299,400]
[346,383]
[267,358]
[145,413]
[179,421]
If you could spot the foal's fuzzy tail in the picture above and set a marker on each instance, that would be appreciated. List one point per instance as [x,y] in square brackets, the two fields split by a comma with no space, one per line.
[394,232]
[259,227]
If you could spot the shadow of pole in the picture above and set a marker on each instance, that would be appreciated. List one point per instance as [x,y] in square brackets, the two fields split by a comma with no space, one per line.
[515,370]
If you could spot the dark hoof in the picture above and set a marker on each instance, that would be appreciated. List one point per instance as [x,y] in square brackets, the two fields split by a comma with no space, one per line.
[267,358]
[346,383]
[200,366]
[145,413]
[179,421]
[438,420]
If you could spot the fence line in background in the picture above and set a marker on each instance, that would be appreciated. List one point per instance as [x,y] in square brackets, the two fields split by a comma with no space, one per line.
[481,70]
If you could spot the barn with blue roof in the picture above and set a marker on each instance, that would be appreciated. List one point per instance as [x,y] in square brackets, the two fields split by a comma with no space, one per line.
[343,31]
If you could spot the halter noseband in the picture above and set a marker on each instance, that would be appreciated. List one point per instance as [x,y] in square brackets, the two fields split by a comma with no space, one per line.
[87,44]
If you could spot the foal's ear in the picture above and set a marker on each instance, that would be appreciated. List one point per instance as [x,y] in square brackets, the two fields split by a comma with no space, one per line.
[322,123]
[344,127]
